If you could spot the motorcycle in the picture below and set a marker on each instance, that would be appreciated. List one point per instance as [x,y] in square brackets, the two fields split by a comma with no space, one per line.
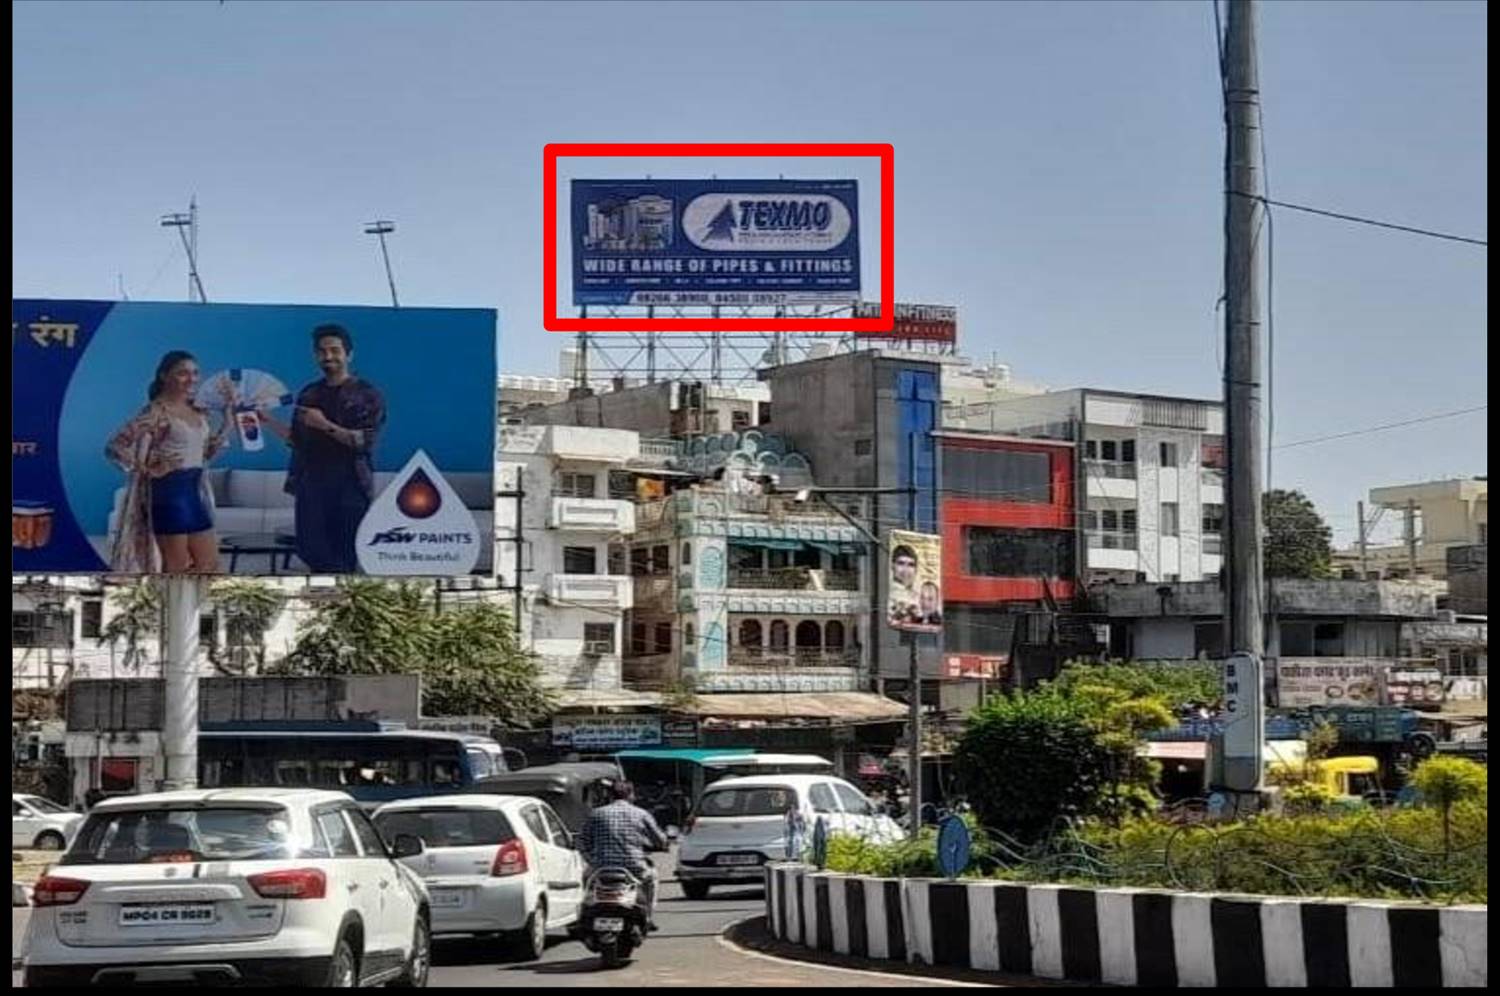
[613,919]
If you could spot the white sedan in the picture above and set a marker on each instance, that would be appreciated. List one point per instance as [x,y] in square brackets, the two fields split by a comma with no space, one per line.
[493,864]
[288,887]
[41,823]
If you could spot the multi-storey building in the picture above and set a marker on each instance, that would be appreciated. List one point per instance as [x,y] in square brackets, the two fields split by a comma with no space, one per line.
[1149,472]
[1435,517]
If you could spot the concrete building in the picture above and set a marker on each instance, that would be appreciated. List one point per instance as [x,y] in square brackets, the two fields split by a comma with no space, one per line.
[672,408]
[978,384]
[1150,494]
[559,511]
[1439,515]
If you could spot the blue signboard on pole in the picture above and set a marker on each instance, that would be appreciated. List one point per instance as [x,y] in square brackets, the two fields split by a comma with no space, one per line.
[715,242]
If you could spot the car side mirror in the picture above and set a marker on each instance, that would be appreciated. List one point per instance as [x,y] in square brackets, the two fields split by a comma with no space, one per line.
[407,845]
[673,833]
[515,760]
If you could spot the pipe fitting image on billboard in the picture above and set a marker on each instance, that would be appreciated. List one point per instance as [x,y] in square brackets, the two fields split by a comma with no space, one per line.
[915,586]
[251,439]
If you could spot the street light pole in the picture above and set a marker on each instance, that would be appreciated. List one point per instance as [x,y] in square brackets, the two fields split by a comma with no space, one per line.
[381,229]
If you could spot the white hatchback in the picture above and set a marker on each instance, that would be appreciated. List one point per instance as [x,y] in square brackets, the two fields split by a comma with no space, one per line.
[740,824]
[291,887]
[493,864]
[41,823]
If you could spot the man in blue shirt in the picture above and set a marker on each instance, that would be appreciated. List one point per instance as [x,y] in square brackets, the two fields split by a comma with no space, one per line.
[618,836]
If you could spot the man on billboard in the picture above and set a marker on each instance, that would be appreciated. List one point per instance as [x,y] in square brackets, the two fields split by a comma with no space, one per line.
[915,600]
[332,436]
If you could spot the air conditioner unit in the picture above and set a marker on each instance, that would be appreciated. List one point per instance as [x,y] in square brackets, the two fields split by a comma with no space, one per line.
[595,648]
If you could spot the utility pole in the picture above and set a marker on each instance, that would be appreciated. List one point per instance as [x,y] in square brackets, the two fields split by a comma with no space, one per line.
[380,229]
[1244,215]
[1411,538]
[1364,548]
[914,668]
[187,229]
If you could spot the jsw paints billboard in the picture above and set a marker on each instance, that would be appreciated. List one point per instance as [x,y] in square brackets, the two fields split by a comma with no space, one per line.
[251,439]
[715,242]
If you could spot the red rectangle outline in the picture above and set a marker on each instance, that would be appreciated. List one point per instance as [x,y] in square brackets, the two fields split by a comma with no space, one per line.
[885,152]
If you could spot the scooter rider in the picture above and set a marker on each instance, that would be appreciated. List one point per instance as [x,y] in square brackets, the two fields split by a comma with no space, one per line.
[618,835]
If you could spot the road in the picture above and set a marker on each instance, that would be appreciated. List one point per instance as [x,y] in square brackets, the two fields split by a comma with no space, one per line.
[686,951]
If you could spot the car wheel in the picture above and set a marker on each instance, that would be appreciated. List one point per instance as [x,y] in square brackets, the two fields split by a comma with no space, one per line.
[343,969]
[419,965]
[530,942]
[50,840]
[695,890]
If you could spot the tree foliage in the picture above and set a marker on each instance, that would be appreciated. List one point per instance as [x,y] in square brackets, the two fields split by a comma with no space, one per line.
[249,608]
[1446,782]
[1298,542]
[137,618]
[468,656]
[1175,684]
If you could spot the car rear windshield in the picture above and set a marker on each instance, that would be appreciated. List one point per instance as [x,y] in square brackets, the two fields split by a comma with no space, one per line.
[761,800]
[173,835]
[44,805]
[447,827]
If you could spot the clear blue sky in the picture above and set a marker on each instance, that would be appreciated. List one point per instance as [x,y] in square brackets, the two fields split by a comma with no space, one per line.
[1058,173]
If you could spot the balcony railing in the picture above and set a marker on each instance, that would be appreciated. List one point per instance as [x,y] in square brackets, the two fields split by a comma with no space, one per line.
[793,579]
[801,657]
[1102,540]
[660,447]
[1211,477]
[1111,468]
[1213,543]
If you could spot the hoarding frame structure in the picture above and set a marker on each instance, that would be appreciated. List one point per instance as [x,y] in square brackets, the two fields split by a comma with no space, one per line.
[915,322]
[554,323]
[73,389]
[927,570]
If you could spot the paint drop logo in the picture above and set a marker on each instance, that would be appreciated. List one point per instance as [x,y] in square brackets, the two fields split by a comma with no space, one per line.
[418,497]
[418,527]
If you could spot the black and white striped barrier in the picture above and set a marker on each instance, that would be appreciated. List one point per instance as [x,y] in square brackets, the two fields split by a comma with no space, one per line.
[1130,936]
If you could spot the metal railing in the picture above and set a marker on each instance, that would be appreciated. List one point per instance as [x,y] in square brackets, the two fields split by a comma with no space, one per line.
[660,447]
[793,579]
[1111,468]
[1109,540]
[1213,543]
[792,657]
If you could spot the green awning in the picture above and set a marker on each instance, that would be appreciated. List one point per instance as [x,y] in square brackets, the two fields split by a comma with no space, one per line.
[853,549]
[768,544]
[692,755]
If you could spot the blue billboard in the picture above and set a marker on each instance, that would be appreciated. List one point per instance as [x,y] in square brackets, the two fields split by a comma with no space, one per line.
[715,242]
[251,439]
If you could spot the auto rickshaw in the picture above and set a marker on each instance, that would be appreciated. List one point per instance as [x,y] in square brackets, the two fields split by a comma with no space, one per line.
[573,790]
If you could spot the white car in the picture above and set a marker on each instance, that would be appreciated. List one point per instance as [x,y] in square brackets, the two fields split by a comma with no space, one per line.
[41,823]
[740,824]
[292,887]
[492,864]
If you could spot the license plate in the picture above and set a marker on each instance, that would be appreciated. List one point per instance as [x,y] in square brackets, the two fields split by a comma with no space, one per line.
[447,898]
[739,859]
[167,914]
[612,924]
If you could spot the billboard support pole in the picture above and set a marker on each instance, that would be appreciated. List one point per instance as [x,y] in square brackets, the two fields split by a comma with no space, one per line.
[914,669]
[180,669]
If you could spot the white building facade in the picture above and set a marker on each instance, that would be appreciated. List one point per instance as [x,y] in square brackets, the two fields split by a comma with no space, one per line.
[1149,471]
[556,518]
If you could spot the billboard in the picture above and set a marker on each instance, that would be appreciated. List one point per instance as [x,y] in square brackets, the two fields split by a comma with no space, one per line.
[1327,681]
[914,590]
[715,242]
[251,439]
[606,732]
[914,322]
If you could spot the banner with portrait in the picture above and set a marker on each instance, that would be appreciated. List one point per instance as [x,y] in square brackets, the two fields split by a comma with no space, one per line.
[914,586]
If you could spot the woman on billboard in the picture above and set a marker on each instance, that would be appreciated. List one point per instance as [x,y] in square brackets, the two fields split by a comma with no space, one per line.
[167,520]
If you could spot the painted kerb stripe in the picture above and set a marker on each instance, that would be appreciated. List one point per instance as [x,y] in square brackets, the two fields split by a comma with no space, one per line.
[1239,952]
[1155,952]
[1078,917]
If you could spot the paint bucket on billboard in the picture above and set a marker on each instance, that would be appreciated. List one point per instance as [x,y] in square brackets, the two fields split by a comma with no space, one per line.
[653,221]
[30,524]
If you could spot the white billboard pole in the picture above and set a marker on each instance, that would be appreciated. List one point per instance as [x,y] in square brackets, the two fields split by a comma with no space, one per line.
[179,732]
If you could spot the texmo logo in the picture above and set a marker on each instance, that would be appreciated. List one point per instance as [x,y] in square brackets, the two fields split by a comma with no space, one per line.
[730,221]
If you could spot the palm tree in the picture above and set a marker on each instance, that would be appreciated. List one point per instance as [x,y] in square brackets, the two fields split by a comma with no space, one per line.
[249,608]
[137,617]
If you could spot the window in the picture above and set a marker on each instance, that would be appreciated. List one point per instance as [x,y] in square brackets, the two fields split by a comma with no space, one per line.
[975,629]
[822,799]
[1109,520]
[750,633]
[1127,520]
[833,635]
[763,410]
[580,560]
[1011,553]
[208,629]
[780,634]
[807,556]
[622,485]
[664,638]
[1208,639]
[1213,518]
[554,825]
[852,801]
[339,837]
[93,618]
[1109,449]
[574,485]
[809,635]
[1001,475]
[1312,639]
[616,560]
[599,638]
[739,420]
[638,639]
[532,815]
[710,422]
[1169,524]
[41,629]
[687,554]
[864,447]
[1127,451]
[640,561]
[661,559]
[448,827]
[1091,449]
[1169,454]
[769,801]
[688,641]
[481,765]
[777,559]
[369,838]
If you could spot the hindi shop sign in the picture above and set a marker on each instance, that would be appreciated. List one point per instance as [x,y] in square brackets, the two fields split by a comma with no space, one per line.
[606,732]
[1326,681]
[914,322]
[715,242]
